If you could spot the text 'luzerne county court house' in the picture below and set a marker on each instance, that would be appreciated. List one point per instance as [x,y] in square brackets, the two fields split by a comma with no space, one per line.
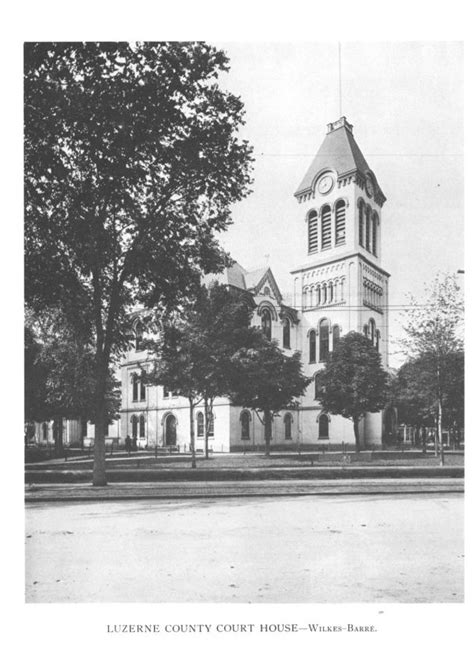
[338,287]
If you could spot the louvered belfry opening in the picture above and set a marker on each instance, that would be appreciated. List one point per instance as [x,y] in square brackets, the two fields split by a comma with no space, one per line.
[325,227]
[340,223]
[313,232]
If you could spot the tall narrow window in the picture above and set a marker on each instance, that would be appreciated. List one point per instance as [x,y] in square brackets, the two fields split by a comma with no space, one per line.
[324,294]
[142,427]
[372,331]
[367,229]
[210,425]
[134,421]
[142,390]
[134,388]
[323,426]
[267,324]
[318,296]
[323,340]
[377,340]
[312,346]
[245,425]
[138,336]
[374,234]
[287,424]
[286,333]
[361,223]
[313,232]
[200,424]
[45,432]
[330,292]
[336,335]
[325,227]
[340,223]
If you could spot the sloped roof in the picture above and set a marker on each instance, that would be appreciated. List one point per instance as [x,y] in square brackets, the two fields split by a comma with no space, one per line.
[339,151]
[233,275]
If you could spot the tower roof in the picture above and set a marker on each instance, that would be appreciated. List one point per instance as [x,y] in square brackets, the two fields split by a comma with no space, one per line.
[339,151]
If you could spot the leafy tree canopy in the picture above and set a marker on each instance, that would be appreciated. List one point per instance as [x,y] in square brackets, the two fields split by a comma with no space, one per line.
[353,381]
[132,163]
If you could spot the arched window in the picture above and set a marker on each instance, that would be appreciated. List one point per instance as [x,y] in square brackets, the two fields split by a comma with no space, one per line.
[366,330]
[200,424]
[336,336]
[326,227]
[313,232]
[372,331]
[340,223]
[134,421]
[142,426]
[318,296]
[287,420]
[267,324]
[323,426]
[286,333]
[323,340]
[134,388]
[142,390]
[330,292]
[138,336]
[245,425]
[367,229]
[45,431]
[324,294]
[361,223]
[375,222]
[312,346]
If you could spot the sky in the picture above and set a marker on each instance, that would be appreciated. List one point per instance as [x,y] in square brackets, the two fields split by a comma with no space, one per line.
[405,100]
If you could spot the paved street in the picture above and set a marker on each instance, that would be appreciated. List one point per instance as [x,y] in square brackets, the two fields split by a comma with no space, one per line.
[326,548]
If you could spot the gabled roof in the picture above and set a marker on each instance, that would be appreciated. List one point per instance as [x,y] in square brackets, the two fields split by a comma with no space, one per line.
[339,151]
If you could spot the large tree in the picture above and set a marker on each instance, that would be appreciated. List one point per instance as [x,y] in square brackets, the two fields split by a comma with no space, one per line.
[132,163]
[265,380]
[353,381]
[59,373]
[194,351]
[434,338]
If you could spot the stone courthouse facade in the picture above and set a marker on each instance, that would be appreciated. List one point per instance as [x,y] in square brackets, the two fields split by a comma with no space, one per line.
[339,286]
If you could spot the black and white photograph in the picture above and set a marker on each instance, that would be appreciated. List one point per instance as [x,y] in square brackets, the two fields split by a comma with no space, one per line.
[243,324]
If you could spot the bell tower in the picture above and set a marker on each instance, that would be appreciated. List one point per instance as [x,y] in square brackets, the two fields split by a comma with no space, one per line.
[340,285]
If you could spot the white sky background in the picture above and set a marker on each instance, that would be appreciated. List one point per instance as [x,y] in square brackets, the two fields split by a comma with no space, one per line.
[405,100]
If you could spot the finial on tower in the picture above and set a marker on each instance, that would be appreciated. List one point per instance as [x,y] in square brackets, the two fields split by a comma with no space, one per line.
[342,121]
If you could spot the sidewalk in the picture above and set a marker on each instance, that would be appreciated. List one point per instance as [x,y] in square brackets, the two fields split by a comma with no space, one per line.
[216,489]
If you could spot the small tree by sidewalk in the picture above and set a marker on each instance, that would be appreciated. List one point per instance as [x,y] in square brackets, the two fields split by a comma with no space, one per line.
[266,380]
[353,381]
[434,338]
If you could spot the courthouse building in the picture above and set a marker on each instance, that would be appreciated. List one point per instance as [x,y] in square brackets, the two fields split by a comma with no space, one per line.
[339,285]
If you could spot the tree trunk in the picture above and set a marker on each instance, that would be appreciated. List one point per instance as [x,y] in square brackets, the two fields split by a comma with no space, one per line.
[440,432]
[206,428]
[99,478]
[267,425]
[355,422]
[58,438]
[423,439]
[191,433]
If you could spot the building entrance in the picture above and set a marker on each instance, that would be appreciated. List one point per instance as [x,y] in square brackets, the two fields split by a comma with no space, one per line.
[170,430]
